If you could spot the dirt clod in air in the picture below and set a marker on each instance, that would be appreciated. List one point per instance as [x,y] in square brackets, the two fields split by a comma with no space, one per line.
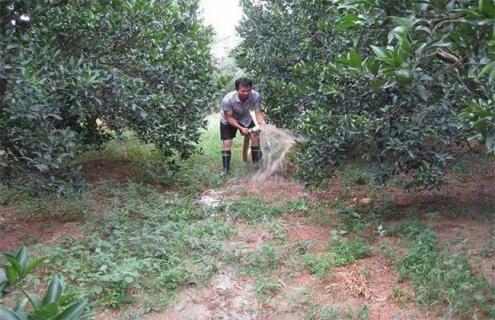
[275,144]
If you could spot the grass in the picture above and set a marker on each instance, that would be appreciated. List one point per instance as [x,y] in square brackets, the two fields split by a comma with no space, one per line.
[72,206]
[442,280]
[254,209]
[347,251]
[147,244]
[472,163]
[144,238]
[318,264]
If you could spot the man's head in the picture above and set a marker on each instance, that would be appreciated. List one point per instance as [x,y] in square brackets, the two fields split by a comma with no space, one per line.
[243,87]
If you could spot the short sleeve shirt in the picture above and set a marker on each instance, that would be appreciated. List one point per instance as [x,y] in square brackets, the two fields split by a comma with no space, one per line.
[231,102]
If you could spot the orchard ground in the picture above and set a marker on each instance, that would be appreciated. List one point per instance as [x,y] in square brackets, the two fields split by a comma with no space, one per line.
[145,243]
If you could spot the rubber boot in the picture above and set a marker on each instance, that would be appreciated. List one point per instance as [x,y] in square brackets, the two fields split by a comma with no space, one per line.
[226,155]
[256,155]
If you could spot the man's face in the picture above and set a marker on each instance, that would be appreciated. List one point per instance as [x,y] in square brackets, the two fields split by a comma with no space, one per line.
[243,92]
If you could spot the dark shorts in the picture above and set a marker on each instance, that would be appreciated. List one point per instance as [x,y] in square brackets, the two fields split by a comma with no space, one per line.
[228,132]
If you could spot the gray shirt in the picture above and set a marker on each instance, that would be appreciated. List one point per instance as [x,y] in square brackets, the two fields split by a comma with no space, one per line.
[231,102]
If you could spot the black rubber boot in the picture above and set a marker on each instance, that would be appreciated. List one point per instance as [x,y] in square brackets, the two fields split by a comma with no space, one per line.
[226,155]
[256,155]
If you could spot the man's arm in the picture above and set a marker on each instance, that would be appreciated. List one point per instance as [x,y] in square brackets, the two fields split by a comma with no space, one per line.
[233,122]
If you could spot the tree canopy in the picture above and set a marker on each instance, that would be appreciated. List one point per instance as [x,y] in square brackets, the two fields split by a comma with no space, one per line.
[392,82]
[73,71]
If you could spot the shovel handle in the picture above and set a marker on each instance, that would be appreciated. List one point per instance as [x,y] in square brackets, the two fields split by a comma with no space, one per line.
[245,147]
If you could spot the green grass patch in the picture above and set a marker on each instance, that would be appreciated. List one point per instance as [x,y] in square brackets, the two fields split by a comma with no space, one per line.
[408,229]
[262,261]
[319,264]
[347,251]
[255,209]
[72,205]
[443,280]
[353,175]
[147,244]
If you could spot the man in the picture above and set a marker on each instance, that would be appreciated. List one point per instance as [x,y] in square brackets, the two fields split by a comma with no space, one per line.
[235,116]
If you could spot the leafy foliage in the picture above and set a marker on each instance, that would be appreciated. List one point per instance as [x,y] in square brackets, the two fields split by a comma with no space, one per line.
[72,70]
[19,266]
[56,304]
[345,252]
[441,277]
[378,80]
[146,242]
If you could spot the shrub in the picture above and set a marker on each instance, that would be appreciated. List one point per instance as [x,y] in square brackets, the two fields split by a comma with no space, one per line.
[75,72]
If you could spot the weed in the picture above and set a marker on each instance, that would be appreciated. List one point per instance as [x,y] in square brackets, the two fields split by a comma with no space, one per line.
[356,175]
[322,216]
[301,205]
[262,261]
[409,229]
[253,209]
[266,288]
[363,313]
[302,247]
[472,163]
[389,252]
[345,251]
[70,206]
[317,312]
[318,264]
[443,278]
[278,230]
[401,297]
[147,242]
[352,220]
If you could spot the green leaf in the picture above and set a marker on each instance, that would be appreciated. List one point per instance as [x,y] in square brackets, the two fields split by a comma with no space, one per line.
[45,312]
[53,292]
[355,59]
[12,275]
[34,263]
[487,8]
[381,53]
[14,263]
[489,69]
[34,299]
[399,33]
[74,311]
[347,22]
[22,257]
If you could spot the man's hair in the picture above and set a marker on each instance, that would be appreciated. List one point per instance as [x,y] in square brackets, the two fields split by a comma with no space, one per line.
[245,82]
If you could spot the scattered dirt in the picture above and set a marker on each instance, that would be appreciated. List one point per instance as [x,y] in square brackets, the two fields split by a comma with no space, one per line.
[300,229]
[250,239]
[272,190]
[227,296]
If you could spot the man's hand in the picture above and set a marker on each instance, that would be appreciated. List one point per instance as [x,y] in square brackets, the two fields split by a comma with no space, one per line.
[244,131]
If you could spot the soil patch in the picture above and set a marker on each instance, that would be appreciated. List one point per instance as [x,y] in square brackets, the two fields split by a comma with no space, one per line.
[15,229]
[104,171]
[227,296]
[474,238]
